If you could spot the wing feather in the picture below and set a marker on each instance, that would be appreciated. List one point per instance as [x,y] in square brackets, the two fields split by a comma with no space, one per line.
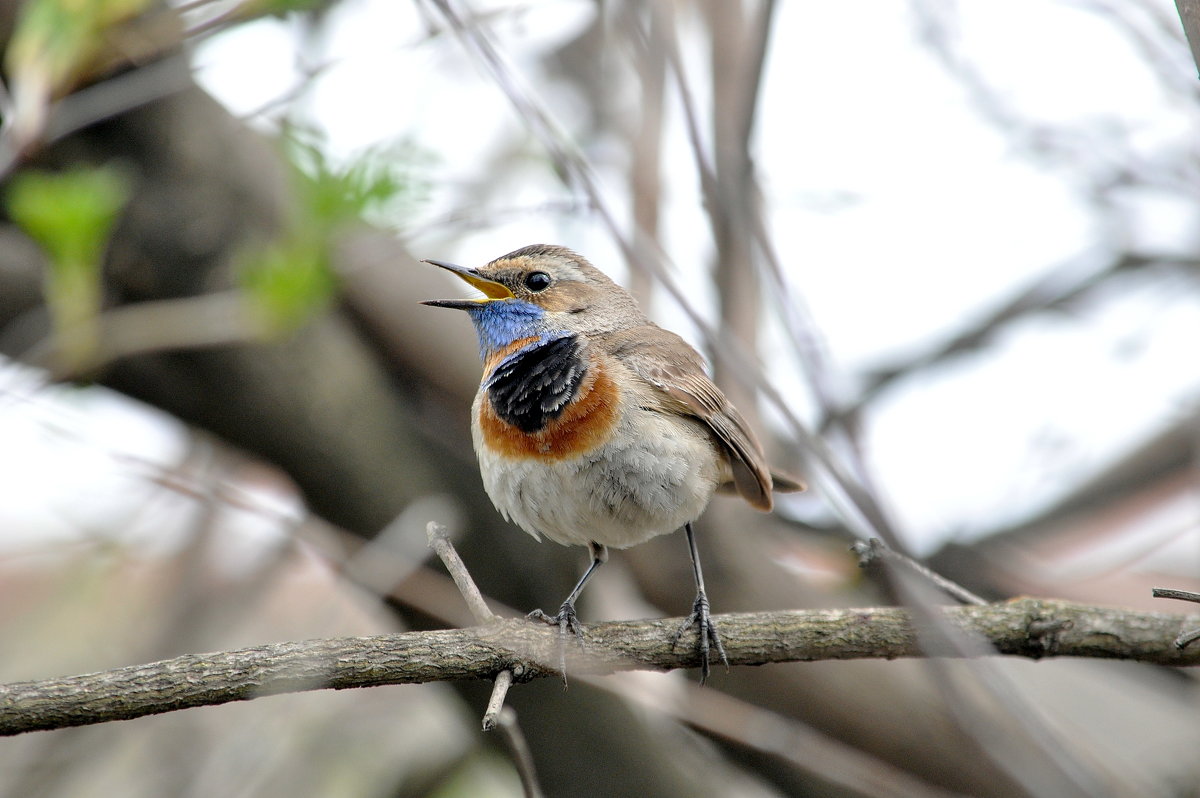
[668,363]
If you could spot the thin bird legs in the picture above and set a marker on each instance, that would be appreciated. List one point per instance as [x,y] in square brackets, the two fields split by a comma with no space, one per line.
[709,638]
[567,621]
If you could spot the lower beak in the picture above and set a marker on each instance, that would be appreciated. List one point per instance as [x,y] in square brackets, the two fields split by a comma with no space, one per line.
[456,304]
[491,289]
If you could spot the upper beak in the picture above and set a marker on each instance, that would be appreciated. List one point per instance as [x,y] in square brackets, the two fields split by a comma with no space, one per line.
[491,289]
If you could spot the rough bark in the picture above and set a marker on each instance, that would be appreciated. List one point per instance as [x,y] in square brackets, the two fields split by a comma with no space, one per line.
[1026,627]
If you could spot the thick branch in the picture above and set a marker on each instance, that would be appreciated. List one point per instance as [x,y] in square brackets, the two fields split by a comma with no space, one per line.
[1025,627]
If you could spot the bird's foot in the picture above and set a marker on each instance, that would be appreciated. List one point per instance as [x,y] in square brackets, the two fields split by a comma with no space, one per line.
[566,620]
[568,624]
[709,639]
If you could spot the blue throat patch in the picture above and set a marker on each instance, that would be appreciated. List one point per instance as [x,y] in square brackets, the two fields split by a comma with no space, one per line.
[500,322]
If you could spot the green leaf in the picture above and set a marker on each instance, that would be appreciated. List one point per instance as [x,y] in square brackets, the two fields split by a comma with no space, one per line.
[54,39]
[70,215]
[288,281]
[291,279]
[372,184]
[253,8]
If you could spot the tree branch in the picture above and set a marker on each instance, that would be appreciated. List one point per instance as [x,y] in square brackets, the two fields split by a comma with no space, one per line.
[1189,15]
[1025,627]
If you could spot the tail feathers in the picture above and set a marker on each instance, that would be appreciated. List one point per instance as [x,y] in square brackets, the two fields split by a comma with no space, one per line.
[786,483]
[750,490]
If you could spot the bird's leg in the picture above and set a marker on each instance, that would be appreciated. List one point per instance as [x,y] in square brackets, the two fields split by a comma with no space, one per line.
[700,615]
[566,620]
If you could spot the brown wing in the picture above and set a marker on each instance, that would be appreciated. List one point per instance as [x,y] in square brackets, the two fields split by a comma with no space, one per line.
[667,362]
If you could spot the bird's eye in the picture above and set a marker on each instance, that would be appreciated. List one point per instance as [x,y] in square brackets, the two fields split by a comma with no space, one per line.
[537,281]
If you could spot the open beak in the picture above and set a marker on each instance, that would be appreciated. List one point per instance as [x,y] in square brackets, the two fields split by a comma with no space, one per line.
[492,290]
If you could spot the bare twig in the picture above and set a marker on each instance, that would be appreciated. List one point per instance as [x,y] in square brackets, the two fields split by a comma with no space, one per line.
[439,541]
[519,749]
[214,319]
[1026,627]
[117,95]
[1072,281]
[1185,638]
[1172,593]
[1189,15]
[495,707]
[875,550]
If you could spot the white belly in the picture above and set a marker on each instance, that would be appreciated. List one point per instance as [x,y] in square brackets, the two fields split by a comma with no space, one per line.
[620,494]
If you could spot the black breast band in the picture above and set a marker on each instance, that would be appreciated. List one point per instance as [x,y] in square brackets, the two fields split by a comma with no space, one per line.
[534,386]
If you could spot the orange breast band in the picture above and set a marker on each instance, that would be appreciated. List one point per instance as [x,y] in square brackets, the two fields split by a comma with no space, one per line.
[586,423]
[495,358]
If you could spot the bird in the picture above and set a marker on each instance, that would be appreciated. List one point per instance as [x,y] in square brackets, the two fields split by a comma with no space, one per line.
[593,426]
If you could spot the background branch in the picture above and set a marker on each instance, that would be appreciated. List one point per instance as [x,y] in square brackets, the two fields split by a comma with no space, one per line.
[1025,627]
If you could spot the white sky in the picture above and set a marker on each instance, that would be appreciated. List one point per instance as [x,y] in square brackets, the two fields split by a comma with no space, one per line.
[899,214]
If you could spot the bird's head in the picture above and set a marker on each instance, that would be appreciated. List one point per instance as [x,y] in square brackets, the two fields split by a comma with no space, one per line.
[540,290]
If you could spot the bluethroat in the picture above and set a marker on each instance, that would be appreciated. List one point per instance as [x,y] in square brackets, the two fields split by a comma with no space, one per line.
[594,426]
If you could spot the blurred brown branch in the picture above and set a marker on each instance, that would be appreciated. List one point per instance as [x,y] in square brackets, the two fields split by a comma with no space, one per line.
[1060,289]
[1025,627]
[1189,15]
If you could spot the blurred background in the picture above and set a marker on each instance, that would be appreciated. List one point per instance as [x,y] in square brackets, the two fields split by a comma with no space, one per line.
[944,255]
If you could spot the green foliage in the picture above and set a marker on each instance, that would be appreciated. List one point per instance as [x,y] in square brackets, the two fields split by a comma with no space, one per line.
[54,39]
[292,278]
[71,215]
[255,8]
[288,281]
[376,182]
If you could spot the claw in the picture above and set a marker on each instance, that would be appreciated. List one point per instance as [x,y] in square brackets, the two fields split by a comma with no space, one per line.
[568,623]
[708,637]
[566,620]
[700,616]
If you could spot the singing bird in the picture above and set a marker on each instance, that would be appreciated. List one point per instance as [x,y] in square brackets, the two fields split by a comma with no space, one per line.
[596,427]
